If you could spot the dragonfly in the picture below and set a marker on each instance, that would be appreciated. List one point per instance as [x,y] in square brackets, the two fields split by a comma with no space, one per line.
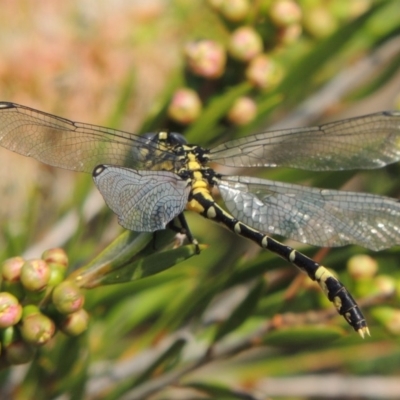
[149,180]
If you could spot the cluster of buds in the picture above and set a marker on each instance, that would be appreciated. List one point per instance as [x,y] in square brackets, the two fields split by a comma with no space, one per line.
[248,49]
[35,301]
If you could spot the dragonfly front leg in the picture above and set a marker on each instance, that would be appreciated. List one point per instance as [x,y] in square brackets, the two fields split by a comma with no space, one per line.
[184,229]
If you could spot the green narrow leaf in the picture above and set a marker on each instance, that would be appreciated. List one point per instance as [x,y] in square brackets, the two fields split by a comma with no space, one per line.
[123,249]
[242,312]
[162,360]
[150,265]
[218,391]
[298,337]
[165,360]
[130,257]
[75,355]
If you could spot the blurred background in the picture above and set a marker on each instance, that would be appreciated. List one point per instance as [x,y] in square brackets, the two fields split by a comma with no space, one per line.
[234,322]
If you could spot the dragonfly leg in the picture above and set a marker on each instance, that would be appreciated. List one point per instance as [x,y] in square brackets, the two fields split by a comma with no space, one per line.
[184,230]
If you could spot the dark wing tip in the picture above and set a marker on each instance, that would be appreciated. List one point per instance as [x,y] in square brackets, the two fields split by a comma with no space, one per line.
[6,104]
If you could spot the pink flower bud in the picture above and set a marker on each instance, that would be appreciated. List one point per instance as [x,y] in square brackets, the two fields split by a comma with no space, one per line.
[11,269]
[37,329]
[76,323]
[185,106]
[319,22]
[10,310]
[243,111]
[245,43]
[285,12]
[289,34]
[35,275]
[206,58]
[235,10]
[55,256]
[264,72]
[67,297]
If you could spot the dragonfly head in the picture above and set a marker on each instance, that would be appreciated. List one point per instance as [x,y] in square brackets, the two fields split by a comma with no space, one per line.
[169,138]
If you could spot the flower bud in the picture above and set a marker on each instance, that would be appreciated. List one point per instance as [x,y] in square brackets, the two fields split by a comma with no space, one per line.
[386,285]
[215,4]
[76,323]
[264,72]
[243,111]
[393,324]
[30,309]
[11,273]
[67,297]
[55,256]
[206,58]
[10,310]
[11,269]
[57,274]
[245,43]
[285,12]
[362,266]
[37,329]
[35,275]
[388,317]
[289,34]
[234,10]
[185,106]
[319,22]
[57,260]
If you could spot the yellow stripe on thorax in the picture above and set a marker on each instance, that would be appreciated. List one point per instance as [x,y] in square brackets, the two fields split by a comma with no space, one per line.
[199,184]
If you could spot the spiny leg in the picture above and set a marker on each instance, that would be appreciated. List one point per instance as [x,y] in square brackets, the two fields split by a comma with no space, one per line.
[332,287]
[184,230]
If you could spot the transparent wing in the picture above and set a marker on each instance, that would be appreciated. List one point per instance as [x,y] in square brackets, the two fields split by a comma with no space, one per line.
[371,141]
[144,201]
[74,145]
[316,216]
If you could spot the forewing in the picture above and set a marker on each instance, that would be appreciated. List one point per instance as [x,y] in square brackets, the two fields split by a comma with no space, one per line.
[316,216]
[370,141]
[74,145]
[144,201]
